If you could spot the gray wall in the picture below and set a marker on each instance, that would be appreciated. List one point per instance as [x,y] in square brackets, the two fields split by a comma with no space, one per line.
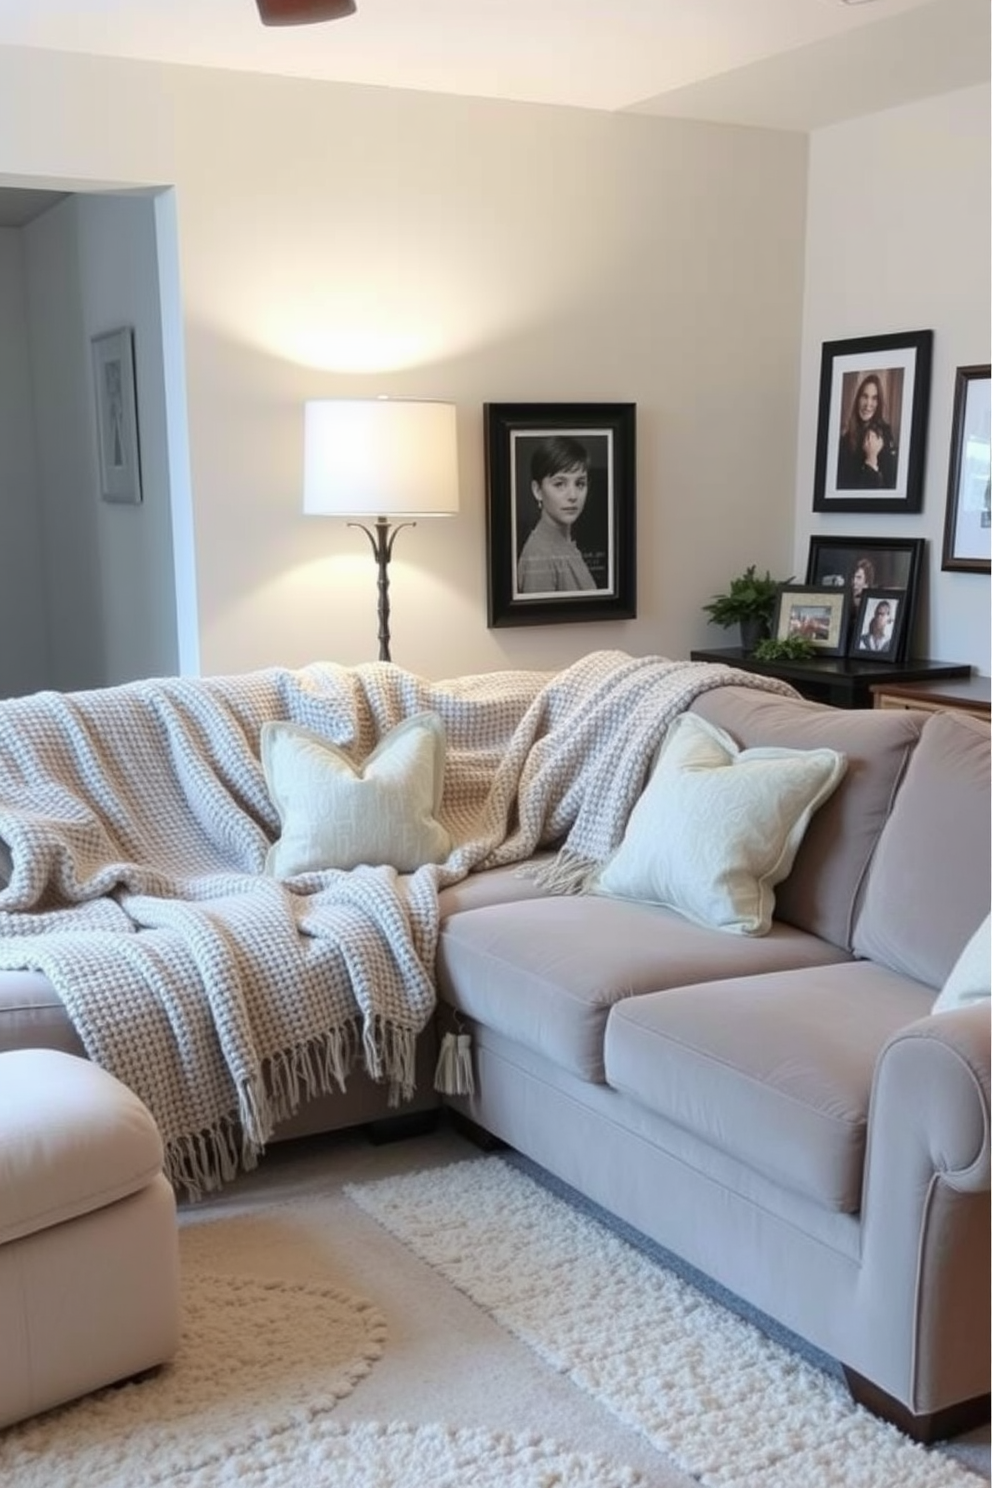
[88,586]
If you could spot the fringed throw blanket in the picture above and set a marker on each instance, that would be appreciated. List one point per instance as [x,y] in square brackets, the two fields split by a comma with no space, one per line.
[137,823]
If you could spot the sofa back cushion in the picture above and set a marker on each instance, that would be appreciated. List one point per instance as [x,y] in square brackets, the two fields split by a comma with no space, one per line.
[929,883]
[822,893]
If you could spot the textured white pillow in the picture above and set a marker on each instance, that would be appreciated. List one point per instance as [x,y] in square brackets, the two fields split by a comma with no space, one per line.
[336,816]
[717,827]
[970,978]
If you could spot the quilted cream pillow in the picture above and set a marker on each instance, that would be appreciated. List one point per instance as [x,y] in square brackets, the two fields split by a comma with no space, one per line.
[717,826]
[336,816]
[970,978]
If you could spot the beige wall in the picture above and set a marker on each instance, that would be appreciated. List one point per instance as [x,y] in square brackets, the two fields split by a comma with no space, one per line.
[910,253]
[340,240]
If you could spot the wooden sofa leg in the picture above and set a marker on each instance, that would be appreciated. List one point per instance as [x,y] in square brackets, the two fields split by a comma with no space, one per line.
[935,1426]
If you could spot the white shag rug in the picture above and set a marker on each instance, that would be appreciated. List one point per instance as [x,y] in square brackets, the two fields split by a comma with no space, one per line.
[729,1405]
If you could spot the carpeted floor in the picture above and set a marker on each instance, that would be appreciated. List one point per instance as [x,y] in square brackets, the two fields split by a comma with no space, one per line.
[320,1349]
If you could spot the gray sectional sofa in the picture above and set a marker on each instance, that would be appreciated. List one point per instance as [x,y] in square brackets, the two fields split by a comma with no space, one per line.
[783,1111]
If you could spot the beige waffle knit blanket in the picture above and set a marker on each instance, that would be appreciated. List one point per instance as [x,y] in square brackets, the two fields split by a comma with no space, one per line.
[137,823]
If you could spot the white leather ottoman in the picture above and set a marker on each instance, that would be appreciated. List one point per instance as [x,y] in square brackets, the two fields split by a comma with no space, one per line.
[89,1257]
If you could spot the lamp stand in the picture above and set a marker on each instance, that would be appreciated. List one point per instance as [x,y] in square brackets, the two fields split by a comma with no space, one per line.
[382,540]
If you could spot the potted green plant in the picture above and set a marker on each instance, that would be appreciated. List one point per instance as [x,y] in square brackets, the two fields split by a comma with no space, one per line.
[748,602]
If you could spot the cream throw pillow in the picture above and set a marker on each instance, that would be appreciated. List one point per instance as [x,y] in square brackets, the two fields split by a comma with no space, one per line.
[336,816]
[717,827]
[970,978]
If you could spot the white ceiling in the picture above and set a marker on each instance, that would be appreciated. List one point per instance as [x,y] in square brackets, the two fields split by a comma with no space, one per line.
[785,63]
[788,64]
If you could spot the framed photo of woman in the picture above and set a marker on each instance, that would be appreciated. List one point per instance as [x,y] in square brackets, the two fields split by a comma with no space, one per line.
[871,429]
[881,619]
[560,512]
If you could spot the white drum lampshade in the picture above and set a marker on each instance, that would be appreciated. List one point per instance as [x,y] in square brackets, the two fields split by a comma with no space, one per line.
[380,458]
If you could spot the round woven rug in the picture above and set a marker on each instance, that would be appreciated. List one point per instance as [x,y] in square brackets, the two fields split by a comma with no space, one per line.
[256,1356]
[322,1454]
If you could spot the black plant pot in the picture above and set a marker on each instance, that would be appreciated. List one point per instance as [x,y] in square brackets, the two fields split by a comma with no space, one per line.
[753,630]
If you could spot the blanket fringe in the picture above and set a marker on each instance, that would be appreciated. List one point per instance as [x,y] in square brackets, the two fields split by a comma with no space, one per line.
[391,1054]
[198,1164]
[566,873]
[317,1068]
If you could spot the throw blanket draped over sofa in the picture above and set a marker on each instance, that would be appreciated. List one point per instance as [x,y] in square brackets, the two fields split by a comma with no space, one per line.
[136,821]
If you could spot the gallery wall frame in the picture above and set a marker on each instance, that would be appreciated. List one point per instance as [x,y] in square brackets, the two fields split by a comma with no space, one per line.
[872,423]
[561,508]
[862,565]
[817,613]
[117,416]
[968,517]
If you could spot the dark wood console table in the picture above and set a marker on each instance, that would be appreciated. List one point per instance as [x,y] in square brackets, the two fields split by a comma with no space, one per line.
[840,680]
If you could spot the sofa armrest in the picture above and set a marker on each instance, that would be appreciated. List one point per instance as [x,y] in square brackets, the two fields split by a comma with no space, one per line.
[932,1083]
[924,1274]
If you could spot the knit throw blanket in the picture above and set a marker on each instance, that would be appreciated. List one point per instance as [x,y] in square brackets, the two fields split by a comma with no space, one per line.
[137,822]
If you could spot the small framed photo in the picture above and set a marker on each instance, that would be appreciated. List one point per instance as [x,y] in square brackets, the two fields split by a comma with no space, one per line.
[860,565]
[881,617]
[968,519]
[871,427]
[560,512]
[818,613]
[117,416]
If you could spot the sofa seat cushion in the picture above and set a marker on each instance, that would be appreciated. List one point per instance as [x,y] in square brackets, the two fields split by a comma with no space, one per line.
[72,1139]
[545,972]
[775,1070]
[492,886]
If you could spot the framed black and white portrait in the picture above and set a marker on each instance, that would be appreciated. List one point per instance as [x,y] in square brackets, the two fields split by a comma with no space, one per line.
[560,510]
[871,427]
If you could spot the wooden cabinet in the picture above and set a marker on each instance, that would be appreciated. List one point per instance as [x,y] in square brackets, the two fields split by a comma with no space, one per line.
[964,695]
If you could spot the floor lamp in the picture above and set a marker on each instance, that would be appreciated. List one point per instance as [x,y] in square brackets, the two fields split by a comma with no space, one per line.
[385,458]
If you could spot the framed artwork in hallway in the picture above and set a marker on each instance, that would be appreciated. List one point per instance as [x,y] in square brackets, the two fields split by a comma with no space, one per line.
[560,512]
[116,416]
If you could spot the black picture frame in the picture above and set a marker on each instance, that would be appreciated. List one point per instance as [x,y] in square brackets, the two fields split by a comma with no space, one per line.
[880,470]
[968,516]
[600,563]
[884,563]
[888,645]
[817,612]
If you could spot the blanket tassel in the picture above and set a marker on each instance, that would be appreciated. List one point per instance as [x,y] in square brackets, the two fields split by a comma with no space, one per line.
[453,1074]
